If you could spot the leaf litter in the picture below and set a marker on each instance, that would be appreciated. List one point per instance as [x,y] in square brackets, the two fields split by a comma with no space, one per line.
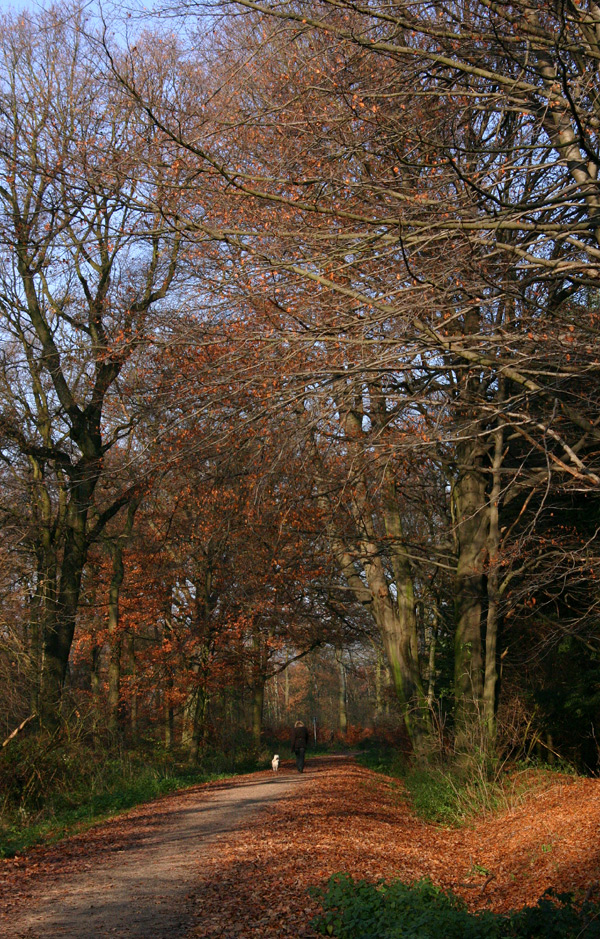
[347,818]
[255,880]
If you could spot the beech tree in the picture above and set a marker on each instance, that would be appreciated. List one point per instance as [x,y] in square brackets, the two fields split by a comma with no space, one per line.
[82,267]
[419,183]
[384,219]
[249,588]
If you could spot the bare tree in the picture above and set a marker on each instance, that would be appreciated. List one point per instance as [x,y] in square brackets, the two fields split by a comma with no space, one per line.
[83,264]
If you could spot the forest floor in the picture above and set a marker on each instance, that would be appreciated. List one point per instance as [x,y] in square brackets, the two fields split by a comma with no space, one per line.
[236,858]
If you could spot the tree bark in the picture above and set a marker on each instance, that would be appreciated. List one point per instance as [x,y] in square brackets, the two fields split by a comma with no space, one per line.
[133,700]
[493,595]
[258,688]
[390,601]
[258,698]
[114,638]
[342,695]
[472,530]
[59,619]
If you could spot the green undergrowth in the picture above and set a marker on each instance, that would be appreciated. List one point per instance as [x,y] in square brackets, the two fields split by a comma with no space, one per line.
[361,910]
[53,785]
[450,796]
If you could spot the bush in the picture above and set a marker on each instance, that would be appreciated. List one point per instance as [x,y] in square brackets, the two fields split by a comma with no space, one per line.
[384,759]
[451,795]
[50,783]
[361,910]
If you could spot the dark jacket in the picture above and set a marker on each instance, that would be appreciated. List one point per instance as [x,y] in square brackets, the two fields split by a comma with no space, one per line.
[299,738]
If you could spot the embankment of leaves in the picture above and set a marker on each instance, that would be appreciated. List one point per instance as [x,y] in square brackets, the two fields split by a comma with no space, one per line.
[447,796]
[344,817]
[356,909]
[52,785]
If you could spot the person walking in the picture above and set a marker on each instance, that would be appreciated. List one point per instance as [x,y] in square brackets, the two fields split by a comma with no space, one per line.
[299,744]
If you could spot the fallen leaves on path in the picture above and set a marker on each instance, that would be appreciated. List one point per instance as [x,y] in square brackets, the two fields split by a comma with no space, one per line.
[24,877]
[346,818]
[343,817]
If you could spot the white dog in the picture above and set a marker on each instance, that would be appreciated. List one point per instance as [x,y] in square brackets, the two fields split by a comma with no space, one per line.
[275,762]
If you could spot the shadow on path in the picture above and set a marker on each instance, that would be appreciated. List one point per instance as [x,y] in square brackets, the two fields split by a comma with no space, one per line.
[140,886]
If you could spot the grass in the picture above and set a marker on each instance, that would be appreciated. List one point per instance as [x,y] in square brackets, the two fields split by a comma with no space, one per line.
[53,787]
[21,830]
[448,796]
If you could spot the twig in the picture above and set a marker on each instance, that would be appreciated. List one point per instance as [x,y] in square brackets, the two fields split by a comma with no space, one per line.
[475,886]
[18,729]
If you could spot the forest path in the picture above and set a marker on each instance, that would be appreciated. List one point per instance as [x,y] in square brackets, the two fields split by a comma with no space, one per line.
[236,859]
[134,876]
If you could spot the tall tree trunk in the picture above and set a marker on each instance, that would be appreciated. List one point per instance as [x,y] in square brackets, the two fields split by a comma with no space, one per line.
[378,570]
[286,693]
[59,620]
[431,648]
[95,675]
[491,635]
[169,714]
[196,708]
[276,703]
[380,683]
[200,723]
[396,622]
[65,554]
[133,701]
[258,688]
[189,715]
[471,510]
[342,695]
[258,698]
[114,638]
[398,644]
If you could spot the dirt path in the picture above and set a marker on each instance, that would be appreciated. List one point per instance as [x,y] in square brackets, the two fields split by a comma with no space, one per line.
[236,859]
[346,818]
[139,882]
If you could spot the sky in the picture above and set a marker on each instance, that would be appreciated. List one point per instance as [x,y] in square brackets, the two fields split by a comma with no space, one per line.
[14,5]
[18,5]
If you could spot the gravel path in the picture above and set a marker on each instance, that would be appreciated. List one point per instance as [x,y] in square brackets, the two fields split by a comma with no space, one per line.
[144,887]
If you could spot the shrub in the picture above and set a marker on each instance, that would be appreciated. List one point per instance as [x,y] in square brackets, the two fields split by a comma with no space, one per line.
[453,795]
[53,782]
[361,910]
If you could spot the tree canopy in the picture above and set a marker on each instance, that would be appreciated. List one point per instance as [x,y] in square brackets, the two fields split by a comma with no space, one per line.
[299,317]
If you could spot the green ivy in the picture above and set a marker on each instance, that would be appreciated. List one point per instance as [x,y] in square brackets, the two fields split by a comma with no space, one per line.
[361,910]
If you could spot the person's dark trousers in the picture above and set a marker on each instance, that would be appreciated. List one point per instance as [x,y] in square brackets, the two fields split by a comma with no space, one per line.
[300,759]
